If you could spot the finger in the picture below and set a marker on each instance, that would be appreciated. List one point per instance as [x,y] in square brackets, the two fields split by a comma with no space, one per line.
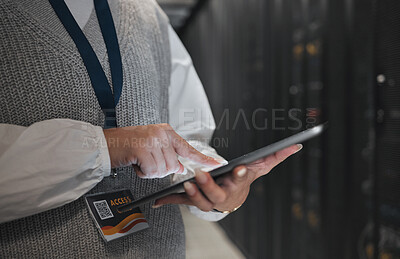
[179,198]
[273,160]
[185,150]
[239,175]
[281,155]
[171,159]
[158,157]
[285,153]
[148,166]
[210,189]
[138,171]
[197,198]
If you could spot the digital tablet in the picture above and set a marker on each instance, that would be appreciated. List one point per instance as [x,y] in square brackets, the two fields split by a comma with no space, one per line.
[243,160]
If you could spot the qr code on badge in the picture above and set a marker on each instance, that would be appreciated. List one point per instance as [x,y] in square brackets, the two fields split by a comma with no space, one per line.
[103,210]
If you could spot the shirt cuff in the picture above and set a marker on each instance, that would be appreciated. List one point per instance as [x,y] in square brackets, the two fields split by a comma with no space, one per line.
[209,216]
[103,149]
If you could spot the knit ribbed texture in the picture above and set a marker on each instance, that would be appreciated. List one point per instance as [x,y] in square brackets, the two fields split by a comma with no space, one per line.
[43,77]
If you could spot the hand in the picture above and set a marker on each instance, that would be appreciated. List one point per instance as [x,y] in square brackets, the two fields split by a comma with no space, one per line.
[152,149]
[230,191]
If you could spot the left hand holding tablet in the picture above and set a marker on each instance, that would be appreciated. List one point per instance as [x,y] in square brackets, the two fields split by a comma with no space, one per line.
[229,191]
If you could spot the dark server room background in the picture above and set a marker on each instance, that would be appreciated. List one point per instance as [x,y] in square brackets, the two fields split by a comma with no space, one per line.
[265,62]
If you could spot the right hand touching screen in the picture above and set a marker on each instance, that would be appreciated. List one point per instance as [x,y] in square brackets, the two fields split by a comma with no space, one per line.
[152,149]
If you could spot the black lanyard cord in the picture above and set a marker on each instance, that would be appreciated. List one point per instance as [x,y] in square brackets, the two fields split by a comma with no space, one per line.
[106,98]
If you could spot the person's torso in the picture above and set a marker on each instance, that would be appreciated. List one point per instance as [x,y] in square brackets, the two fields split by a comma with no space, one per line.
[43,77]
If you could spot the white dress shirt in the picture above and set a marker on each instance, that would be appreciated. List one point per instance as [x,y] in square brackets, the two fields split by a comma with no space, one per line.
[54,162]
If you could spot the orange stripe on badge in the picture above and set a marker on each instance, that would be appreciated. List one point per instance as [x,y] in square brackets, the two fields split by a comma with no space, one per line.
[110,230]
[132,225]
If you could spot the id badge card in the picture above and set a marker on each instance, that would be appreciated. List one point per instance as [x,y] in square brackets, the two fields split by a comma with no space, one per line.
[111,223]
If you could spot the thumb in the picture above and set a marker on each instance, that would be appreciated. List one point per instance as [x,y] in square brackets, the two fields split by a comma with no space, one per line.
[185,150]
[140,173]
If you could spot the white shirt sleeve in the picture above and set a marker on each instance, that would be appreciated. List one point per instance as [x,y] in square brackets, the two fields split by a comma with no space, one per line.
[190,114]
[54,162]
[49,164]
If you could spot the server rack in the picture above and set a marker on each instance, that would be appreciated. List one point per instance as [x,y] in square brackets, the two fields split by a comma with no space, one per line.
[314,58]
[387,217]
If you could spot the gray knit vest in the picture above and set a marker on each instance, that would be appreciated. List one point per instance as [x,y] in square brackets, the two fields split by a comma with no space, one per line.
[43,77]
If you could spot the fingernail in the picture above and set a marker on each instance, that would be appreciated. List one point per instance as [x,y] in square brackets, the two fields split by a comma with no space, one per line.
[221,161]
[156,206]
[189,188]
[242,172]
[299,147]
[201,177]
